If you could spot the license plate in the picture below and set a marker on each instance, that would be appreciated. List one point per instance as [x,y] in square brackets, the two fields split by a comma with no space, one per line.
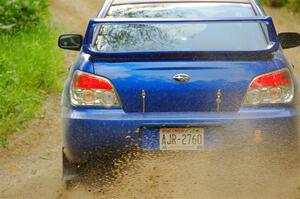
[181,138]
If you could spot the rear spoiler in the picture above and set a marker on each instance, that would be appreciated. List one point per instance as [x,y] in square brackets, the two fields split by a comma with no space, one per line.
[88,43]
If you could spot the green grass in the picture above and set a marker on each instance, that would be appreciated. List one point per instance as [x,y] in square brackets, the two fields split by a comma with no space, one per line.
[30,68]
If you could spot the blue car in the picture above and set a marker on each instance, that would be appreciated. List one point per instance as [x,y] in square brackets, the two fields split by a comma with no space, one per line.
[179,75]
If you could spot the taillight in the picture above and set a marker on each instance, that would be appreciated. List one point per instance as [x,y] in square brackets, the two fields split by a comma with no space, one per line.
[92,90]
[271,88]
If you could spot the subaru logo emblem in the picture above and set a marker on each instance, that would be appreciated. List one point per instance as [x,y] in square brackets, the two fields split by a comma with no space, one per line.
[181,77]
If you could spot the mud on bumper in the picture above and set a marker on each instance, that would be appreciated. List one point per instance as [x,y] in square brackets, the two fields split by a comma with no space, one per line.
[88,130]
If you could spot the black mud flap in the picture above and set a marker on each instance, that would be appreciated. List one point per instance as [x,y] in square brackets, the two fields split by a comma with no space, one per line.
[70,170]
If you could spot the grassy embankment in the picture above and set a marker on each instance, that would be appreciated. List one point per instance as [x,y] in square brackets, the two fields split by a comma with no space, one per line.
[30,63]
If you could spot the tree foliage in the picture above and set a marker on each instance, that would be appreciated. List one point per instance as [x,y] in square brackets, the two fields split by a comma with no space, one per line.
[16,15]
[293,5]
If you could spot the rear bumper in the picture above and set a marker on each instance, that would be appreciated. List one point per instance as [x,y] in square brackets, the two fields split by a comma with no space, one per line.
[87,130]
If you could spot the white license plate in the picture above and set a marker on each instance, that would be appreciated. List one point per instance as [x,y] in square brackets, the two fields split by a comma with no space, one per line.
[181,138]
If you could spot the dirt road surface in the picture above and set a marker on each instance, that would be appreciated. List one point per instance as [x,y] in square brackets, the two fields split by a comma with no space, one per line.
[31,168]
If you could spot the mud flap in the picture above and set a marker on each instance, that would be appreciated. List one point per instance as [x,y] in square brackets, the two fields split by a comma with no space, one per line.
[70,171]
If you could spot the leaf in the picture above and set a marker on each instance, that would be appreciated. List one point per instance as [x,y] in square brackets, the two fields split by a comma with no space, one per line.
[7,27]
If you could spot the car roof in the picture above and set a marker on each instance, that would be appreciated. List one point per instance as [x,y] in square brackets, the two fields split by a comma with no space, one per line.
[256,6]
[119,2]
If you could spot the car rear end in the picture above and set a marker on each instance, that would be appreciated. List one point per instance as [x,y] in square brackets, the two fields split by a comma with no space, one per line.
[180,84]
[186,120]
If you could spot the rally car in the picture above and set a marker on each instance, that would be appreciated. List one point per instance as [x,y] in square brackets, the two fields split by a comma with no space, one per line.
[178,76]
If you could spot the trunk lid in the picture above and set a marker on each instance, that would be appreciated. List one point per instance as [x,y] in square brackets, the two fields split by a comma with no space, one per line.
[199,94]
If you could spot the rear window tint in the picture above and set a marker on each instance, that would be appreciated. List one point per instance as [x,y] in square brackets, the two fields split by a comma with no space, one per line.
[225,36]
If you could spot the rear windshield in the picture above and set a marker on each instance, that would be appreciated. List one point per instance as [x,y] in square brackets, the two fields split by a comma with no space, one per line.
[225,36]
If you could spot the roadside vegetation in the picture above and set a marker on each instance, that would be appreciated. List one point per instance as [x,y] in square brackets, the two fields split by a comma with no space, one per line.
[293,5]
[30,63]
